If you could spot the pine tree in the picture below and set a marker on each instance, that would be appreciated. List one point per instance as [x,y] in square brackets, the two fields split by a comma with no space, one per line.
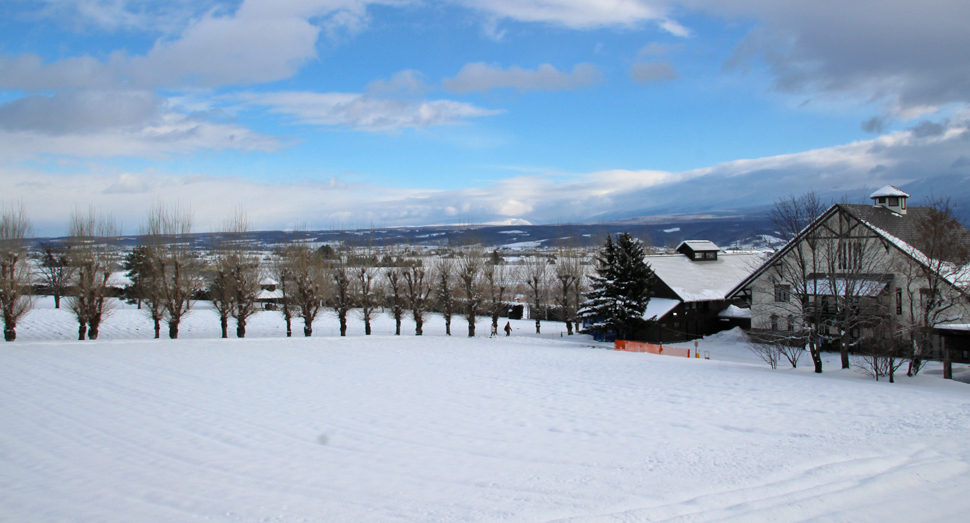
[620,289]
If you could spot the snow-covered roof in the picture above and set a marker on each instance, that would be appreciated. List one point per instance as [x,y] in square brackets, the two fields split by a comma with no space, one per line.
[269,295]
[706,281]
[659,307]
[888,190]
[733,311]
[699,245]
[268,281]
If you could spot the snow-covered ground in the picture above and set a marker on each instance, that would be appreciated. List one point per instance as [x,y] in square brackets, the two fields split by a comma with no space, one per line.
[401,429]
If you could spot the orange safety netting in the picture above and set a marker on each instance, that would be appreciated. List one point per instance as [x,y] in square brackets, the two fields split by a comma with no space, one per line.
[636,346]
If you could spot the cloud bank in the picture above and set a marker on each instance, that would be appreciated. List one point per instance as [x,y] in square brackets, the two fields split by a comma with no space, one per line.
[920,153]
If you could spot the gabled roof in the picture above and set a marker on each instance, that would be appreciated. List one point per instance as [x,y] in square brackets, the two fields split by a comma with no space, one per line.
[888,190]
[896,229]
[706,281]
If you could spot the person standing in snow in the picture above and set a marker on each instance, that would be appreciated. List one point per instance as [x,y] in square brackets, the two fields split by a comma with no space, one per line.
[508,329]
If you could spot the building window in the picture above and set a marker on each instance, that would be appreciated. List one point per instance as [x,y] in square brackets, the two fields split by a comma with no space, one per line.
[850,256]
[782,293]
[774,322]
[882,200]
[899,301]
[893,201]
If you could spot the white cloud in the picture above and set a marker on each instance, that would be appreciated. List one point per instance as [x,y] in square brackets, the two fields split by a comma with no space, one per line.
[166,133]
[579,14]
[260,41]
[909,56]
[365,112]
[79,111]
[896,158]
[481,77]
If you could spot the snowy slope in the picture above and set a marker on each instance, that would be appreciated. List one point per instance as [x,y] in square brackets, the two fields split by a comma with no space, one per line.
[439,429]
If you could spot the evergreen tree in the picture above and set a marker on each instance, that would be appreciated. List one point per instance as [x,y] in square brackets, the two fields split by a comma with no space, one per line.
[620,289]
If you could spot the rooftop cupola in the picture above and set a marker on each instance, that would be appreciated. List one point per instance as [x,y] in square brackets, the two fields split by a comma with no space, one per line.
[890,198]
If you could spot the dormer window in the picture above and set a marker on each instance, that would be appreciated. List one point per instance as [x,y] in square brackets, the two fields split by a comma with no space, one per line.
[698,250]
[893,201]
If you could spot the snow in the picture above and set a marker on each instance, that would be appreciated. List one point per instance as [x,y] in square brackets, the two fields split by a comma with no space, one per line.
[888,190]
[675,229]
[703,280]
[657,308]
[451,429]
[733,311]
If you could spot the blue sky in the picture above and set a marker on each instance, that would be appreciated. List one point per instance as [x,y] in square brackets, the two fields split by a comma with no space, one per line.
[354,113]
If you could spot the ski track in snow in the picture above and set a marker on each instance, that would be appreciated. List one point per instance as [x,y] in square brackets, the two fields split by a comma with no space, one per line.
[452,429]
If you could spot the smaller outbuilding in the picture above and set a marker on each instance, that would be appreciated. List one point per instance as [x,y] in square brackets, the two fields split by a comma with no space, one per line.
[689,293]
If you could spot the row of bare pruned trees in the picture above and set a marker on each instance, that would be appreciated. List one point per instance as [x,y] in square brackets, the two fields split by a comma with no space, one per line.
[167,272]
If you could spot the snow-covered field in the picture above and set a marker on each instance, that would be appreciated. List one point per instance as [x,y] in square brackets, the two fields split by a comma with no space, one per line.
[402,429]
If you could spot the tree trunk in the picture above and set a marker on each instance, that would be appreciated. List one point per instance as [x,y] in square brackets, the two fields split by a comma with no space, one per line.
[307,328]
[343,323]
[240,328]
[397,323]
[417,327]
[9,333]
[367,327]
[537,325]
[471,325]
[173,330]
[224,323]
[947,360]
[93,329]
[289,327]
[569,328]
[816,353]
[57,301]
[158,328]
[82,330]
[448,325]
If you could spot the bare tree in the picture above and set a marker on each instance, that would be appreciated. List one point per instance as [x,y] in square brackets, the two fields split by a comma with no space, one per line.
[799,269]
[444,290]
[343,296]
[469,272]
[535,272]
[394,294]
[498,280]
[167,232]
[57,270]
[16,298]
[311,283]
[418,285]
[91,255]
[282,270]
[768,352]
[853,256]
[944,252]
[221,293]
[238,261]
[568,273]
[366,287]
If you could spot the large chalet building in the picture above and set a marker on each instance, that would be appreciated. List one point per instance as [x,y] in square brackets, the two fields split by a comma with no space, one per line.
[861,271]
